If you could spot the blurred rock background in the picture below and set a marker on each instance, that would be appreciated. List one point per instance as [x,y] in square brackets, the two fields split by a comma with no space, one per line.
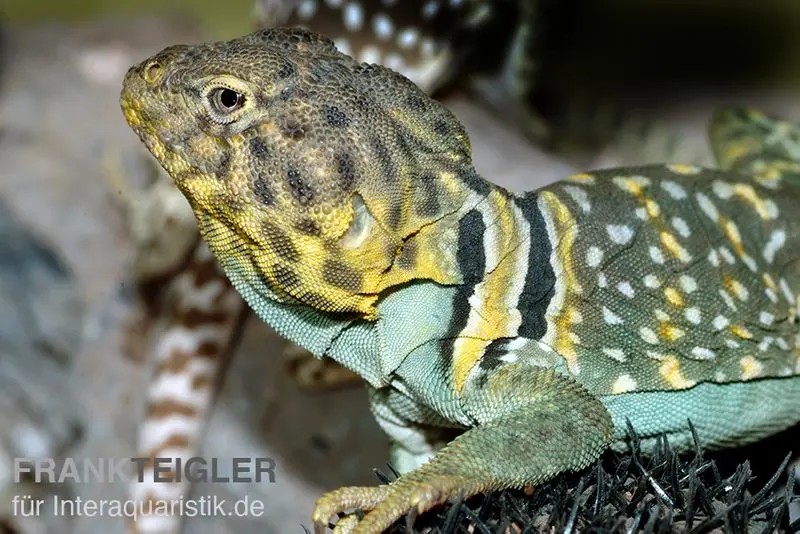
[67,389]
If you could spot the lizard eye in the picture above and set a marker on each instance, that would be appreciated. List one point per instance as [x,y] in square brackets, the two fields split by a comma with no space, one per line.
[226,100]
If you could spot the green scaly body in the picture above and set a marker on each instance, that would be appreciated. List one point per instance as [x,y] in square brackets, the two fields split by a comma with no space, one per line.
[504,337]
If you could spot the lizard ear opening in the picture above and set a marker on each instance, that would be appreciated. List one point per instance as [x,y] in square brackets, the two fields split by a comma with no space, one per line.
[360,226]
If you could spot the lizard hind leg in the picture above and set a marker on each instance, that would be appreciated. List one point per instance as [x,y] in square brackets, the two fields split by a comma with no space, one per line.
[754,143]
[200,317]
[532,425]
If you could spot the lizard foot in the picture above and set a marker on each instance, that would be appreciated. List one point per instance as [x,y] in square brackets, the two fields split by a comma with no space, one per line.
[385,504]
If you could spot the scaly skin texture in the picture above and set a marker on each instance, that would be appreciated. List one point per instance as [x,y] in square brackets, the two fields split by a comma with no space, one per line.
[487,45]
[342,203]
[164,234]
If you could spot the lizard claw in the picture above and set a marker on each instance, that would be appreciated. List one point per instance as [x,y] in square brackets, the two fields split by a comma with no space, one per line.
[383,504]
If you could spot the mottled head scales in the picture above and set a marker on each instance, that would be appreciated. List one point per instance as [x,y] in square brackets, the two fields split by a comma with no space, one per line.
[303,166]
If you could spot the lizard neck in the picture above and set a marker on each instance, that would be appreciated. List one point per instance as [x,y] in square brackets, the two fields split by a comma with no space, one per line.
[500,250]
[448,249]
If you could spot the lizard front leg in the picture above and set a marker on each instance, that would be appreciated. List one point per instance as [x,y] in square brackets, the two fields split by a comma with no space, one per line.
[530,425]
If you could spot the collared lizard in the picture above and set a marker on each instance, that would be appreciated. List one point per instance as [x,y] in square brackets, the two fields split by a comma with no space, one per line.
[189,307]
[342,203]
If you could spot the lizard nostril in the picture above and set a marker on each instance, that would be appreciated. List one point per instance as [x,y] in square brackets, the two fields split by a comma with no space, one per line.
[152,72]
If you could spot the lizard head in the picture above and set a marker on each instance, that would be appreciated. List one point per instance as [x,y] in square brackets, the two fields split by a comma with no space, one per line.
[308,172]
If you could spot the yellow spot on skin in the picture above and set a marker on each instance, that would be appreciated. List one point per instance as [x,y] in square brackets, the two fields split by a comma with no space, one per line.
[583,178]
[740,149]
[769,281]
[623,384]
[748,194]
[732,232]
[740,331]
[670,371]
[683,169]
[671,333]
[751,368]
[631,186]
[674,297]
[674,248]
[736,288]
[653,209]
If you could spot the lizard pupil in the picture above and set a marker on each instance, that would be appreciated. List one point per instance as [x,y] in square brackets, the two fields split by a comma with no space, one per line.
[228,100]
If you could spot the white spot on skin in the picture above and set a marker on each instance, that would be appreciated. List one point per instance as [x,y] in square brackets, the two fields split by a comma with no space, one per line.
[652,281]
[727,255]
[353,16]
[407,38]
[732,343]
[602,281]
[626,289]
[707,206]
[721,322]
[728,299]
[765,343]
[623,384]
[579,196]
[688,283]
[610,317]
[656,255]
[654,355]
[693,315]
[782,344]
[648,335]
[641,213]
[509,357]
[573,336]
[681,227]
[771,295]
[771,208]
[674,189]
[334,4]
[661,315]
[787,291]
[594,256]
[723,190]
[776,240]
[713,258]
[615,354]
[702,353]
[766,318]
[619,233]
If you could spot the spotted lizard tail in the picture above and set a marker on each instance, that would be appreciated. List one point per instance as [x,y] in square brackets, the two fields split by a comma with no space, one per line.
[200,316]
